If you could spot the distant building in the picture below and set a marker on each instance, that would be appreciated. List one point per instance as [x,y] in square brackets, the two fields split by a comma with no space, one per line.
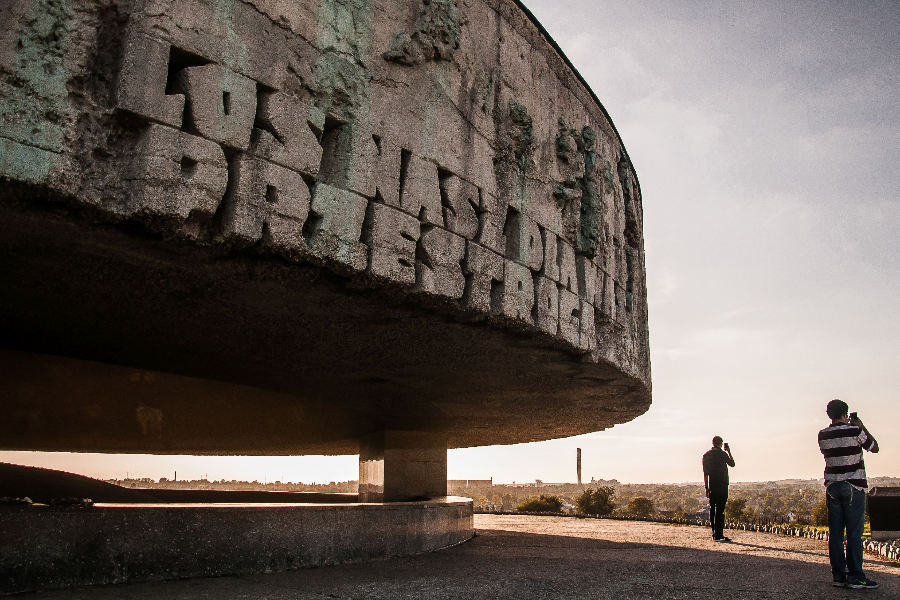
[469,487]
[613,482]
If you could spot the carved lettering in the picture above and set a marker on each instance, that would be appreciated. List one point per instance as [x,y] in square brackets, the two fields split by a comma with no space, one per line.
[587,278]
[606,298]
[288,133]
[175,173]
[484,271]
[266,196]
[221,104]
[491,215]
[392,243]
[420,192]
[546,304]
[348,150]
[568,274]
[141,88]
[587,334]
[550,269]
[438,268]
[460,199]
[376,206]
[310,151]
[517,295]
[334,226]
[569,316]
[388,165]
[524,243]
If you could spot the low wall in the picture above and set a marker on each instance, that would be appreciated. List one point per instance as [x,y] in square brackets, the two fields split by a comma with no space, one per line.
[884,513]
[44,547]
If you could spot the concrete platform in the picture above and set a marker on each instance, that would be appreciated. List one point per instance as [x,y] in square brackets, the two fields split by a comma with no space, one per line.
[45,547]
[547,557]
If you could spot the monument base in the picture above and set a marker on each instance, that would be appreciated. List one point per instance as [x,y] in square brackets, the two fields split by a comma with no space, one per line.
[44,547]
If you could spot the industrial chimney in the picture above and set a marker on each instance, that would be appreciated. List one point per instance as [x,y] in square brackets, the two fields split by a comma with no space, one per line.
[578,465]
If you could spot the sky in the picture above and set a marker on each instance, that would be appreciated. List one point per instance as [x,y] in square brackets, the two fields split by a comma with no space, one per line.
[766,138]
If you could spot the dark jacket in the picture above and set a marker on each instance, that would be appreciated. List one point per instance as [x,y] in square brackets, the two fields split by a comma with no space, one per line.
[715,464]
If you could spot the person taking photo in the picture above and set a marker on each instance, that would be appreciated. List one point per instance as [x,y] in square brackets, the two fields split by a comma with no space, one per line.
[715,477]
[842,444]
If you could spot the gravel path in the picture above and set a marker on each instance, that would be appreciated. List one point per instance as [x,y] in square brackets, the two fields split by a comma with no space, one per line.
[547,557]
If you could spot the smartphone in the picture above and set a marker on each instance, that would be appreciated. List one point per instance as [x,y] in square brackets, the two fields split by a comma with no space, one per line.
[853,416]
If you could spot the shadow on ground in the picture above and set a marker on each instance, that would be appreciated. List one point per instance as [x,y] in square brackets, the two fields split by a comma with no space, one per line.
[545,557]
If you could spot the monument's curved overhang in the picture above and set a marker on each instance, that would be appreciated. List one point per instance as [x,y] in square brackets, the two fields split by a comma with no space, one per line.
[258,227]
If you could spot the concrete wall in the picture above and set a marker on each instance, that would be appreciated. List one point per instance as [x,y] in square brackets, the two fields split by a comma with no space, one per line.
[45,547]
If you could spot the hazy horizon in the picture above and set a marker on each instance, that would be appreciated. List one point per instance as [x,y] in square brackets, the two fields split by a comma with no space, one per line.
[765,137]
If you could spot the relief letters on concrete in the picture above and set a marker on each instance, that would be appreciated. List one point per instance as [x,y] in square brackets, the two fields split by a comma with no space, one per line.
[226,151]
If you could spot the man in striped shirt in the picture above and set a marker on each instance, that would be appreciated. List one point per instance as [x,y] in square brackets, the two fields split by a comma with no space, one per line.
[842,444]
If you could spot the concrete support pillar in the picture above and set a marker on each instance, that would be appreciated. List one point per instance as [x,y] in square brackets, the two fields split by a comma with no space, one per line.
[399,466]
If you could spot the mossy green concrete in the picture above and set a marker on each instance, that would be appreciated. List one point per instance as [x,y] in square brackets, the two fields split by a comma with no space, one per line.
[236,53]
[33,98]
[589,227]
[25,163]
[345,27]
[435,38]
[341,86]
[521,133]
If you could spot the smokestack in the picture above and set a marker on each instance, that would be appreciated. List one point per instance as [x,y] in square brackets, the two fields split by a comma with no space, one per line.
[578,464]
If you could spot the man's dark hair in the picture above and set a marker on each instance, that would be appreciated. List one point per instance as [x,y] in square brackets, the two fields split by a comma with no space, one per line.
[836,409]
[717,441]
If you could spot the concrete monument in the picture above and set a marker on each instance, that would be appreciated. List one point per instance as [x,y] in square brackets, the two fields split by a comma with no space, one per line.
[385,227]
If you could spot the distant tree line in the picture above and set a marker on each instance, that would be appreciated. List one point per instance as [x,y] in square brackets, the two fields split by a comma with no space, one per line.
[800,502]
[245,486]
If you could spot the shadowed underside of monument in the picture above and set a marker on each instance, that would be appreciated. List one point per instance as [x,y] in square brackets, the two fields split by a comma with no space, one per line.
[251,227]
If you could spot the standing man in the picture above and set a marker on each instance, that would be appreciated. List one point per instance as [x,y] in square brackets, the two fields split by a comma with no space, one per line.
[842,444]
[715,476]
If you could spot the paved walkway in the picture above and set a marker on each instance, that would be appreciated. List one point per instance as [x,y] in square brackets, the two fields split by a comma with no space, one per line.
[547,557]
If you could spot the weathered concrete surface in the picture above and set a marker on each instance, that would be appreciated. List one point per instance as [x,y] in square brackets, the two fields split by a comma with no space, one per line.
[276,227]
[546,557]
[45,547]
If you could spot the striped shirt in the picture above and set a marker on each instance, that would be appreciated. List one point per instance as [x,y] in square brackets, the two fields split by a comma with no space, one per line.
[842,446]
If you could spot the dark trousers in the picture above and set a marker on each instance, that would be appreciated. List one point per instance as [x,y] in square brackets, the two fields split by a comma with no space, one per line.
[846,511]
[718,497]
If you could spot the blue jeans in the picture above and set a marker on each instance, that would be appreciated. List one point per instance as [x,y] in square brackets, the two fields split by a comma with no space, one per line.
[846,509]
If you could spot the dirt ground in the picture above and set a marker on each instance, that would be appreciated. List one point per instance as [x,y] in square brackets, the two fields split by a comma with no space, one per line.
[549,557]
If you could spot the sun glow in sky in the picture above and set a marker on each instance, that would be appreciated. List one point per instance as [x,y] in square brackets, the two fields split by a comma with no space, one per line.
[765,136]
